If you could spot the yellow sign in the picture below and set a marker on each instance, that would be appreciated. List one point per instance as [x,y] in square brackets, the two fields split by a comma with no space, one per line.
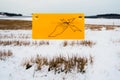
[58,26]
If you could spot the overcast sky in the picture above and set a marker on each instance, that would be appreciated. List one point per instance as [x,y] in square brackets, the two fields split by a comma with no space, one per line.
[89,7]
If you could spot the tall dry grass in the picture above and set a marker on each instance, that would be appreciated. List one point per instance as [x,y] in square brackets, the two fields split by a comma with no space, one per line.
[60,63]
[79,43]
[110,27]
[27,25]
[23,43]
[95,27]
[20,36]
[15,25]
[4,54]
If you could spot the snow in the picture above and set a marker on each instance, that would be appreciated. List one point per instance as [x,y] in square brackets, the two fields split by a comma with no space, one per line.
[106,54]
[102,21]
[16,18]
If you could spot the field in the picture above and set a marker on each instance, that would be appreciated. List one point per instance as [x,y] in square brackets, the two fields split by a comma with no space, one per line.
[95,58]
[15,24]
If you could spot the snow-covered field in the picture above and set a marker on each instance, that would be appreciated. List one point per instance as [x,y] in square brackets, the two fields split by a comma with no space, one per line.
[103,21]
[28,18]
[105,53]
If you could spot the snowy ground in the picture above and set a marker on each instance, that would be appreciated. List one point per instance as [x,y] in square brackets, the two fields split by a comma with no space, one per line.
[103,21]
[106,56]
[28,18]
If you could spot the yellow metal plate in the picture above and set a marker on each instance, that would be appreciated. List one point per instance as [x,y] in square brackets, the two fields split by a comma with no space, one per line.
[58,26]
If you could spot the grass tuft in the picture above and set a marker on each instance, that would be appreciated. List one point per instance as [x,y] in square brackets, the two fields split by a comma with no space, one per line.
[23,43]
[78,43]
[5,54]
[60,63]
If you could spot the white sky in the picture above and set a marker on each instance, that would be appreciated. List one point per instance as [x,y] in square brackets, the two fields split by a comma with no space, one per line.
[89,7]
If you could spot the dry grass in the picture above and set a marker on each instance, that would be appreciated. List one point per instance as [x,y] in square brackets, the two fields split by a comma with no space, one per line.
[87,43]
[27,25]
[15,24]
[110,27]
[116,41]
[91,59]
[60,63]
[78,43]
[40,61]
[99,27]
[93,27]
[65,43]
[5,54]
[23,43]
[20,36]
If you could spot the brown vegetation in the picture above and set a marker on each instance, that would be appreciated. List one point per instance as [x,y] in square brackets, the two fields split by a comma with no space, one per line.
[60,63]
[23,43]
[5,54]
[15,24]
[27,25]
[93,27]
[116,41]
[99,27]
[21,36]
[110,27]
[78,43]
